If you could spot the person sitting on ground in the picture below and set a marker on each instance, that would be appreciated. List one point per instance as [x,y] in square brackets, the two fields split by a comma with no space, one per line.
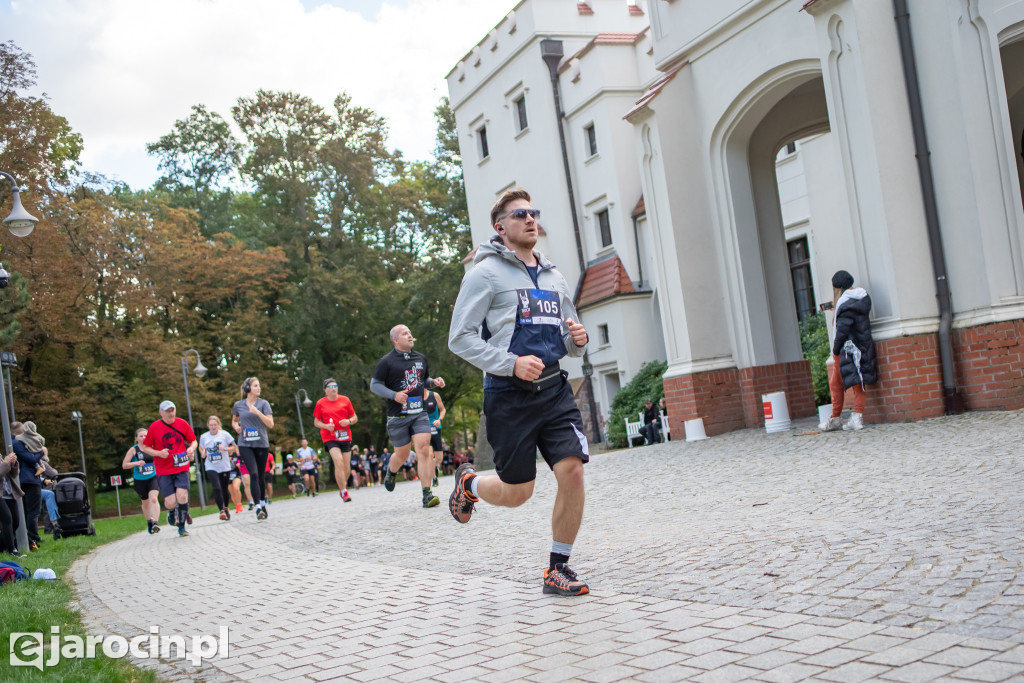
[49,478]
[853,351]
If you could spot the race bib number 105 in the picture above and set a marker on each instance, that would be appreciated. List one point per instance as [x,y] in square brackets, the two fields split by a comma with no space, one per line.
[539,307]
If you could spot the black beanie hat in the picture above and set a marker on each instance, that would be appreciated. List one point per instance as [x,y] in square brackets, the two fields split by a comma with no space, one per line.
[842,280]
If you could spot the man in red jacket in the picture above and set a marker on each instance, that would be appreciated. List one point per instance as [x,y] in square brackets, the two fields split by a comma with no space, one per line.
[172,444]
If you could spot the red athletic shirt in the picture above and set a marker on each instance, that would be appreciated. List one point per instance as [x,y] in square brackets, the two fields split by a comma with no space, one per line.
[339,410]
[161,436]
[270,462]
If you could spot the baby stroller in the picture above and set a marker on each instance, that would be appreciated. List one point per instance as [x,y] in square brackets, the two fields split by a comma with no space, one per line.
[73,505]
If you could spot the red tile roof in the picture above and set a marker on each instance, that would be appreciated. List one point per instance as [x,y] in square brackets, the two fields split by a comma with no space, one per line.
[583,8]
[603,281]
[636,11]
[653,91]
[639,209]
[605,39]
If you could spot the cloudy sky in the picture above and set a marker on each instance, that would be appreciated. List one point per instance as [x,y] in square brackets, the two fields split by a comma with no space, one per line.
[122,71]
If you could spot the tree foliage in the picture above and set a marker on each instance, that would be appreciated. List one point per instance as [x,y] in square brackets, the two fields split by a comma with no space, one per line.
[287,251]
[646,384]
[814,340]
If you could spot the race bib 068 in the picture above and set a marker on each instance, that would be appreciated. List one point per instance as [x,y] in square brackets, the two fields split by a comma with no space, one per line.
[414,406]
[539,307]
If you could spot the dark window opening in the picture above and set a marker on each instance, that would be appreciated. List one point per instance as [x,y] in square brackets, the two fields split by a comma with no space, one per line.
[521,113]
[481,134]
[591,139]
[800,270]
[606,228]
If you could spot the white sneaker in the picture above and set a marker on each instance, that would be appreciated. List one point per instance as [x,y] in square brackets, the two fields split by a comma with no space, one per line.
[855,423]
[833,424]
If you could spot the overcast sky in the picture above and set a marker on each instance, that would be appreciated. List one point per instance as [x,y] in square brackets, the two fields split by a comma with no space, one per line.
[122,71]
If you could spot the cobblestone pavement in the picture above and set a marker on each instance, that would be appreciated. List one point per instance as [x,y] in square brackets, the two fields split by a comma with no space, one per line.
[894,553]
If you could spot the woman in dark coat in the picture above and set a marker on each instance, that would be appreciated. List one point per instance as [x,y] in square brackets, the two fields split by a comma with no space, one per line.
[853,351]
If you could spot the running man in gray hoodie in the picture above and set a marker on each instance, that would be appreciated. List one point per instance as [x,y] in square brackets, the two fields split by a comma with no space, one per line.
[514,319]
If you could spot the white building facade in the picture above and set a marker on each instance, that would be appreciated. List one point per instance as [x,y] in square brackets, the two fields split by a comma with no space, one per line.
[726,89]
[508,126]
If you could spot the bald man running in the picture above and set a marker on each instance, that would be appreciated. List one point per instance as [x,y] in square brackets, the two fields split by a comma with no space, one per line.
[400,377]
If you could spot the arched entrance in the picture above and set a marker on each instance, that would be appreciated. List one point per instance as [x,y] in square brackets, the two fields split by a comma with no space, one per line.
[786,105]
[789,106]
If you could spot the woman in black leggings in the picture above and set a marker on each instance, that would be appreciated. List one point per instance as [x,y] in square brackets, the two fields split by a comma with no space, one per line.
[251,417]
[216,447]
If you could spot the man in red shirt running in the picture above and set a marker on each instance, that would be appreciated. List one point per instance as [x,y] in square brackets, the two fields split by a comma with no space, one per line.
[172,444]
[268,477]
[334,417]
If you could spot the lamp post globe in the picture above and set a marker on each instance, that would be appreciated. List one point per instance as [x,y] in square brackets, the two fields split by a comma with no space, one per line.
[20,222]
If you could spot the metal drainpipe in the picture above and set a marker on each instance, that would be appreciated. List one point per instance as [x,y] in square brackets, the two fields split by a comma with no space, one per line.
[551,52]
[950,395]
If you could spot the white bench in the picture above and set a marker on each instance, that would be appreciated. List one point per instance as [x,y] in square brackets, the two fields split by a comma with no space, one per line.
[633,428]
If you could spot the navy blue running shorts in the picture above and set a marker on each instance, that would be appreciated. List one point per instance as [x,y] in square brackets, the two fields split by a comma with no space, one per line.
[170,483]
[520,422]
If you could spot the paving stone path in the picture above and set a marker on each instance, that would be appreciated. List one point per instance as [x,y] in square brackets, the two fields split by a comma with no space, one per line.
[896,553]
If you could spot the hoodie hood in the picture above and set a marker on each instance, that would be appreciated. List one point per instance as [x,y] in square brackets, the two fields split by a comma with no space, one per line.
[856,299]
[496,247]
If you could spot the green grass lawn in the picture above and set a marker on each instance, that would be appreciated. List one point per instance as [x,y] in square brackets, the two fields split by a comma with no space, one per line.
[36,606]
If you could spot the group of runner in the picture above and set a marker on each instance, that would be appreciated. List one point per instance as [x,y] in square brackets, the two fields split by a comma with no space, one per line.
[163,454]
[514,319]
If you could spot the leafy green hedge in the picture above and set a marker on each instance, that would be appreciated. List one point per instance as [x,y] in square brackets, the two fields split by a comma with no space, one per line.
[630,400]
[814,339]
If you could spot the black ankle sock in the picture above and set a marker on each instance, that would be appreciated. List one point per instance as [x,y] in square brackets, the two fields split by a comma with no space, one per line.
[558,558]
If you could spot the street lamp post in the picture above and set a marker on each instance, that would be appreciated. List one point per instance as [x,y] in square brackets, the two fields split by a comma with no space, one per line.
[21,223]
[77,418]
[200,373]
[7,361]
[22,527]
[306,402]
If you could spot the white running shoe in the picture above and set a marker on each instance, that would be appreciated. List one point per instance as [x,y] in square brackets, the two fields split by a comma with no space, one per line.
[855,423]
[833,424]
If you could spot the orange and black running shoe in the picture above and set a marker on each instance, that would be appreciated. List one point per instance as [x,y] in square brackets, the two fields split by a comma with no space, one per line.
[460,503]
[563,581]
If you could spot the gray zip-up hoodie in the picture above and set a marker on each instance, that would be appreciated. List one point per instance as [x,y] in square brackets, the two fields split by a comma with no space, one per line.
[496,318]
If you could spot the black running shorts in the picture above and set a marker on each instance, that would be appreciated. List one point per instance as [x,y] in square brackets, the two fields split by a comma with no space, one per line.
[144,486]
[343,446]
[519,422]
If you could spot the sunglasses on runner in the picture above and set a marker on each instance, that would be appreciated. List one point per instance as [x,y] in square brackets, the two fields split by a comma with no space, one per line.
[521,214]
[331,386]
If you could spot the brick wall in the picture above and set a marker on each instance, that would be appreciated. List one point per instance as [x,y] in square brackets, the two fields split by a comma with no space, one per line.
[731,399]
[990,365]
[989,362]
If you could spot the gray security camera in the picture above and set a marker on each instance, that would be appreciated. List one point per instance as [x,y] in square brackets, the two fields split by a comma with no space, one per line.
[5,277]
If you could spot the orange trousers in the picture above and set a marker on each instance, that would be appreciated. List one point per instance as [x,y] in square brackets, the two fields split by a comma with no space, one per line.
[835,386]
